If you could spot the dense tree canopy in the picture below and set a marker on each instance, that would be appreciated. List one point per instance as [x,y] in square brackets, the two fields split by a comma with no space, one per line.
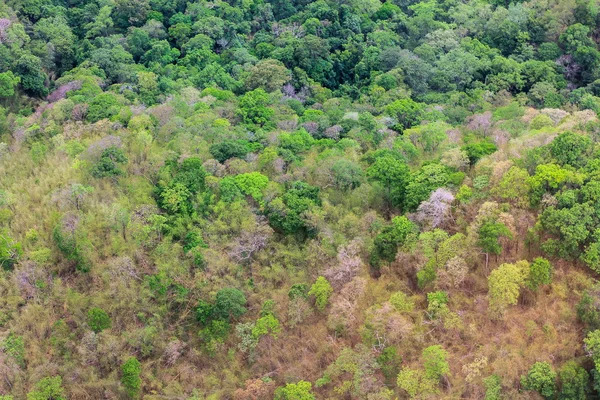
[299,199]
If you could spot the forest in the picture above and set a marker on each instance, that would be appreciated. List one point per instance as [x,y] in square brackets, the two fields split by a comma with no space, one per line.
[299,199]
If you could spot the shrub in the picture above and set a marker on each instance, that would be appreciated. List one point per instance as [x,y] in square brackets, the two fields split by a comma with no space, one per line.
[130,376]
[98,320]
[541,378]
[322,290]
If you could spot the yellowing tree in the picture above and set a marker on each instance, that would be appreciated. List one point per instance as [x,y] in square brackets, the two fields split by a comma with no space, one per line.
[505,286]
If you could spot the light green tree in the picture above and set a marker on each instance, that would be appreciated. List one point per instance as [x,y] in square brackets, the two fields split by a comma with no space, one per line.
[322,290]
[541,378]
[505,284]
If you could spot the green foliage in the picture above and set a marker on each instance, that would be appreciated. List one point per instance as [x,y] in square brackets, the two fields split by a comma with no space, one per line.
[571,149]
[540,273]
[204,312]
[493,387]
[105,105]
[401,302]
[346,174]
[390,361]
[69,243]
[387,242]
[131,370]
[476,151]
[14,346]
[295,391]
[252,184]
[8,83]
[407,112]
[489,236]
[49,388]
[298,290]
[505,285]
[422,183]
[574,381]
[333,122]
[229,304]
[416,383]
[107,165]
[214,334]
[286,212]
[434,361]
[98,320]
[588,309]
[592,345]
[437,303]
[393,174]
[254,108]
[541,378]
[10,252]
[267,325]
[227,149]
[322,290]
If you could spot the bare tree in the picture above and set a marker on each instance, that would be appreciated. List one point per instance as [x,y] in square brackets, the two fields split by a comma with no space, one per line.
[250,242]
[437,211]
[348,265]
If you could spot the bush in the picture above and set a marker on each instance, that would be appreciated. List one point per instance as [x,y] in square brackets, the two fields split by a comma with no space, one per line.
[130,376]
[322,290]
[98,320]
[541,378]
[48,389]
[541,121]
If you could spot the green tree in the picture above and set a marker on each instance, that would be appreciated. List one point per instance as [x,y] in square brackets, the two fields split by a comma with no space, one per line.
[387,242]
[514,186]
[592,345]
[407,112]
[101,25]
[223,151]
[540,273]
[393,174]
[295,391]
[266,325]
[422,183]
[574,382]
[476,151]
[588,309]
[286,213]
[105,105]
[489,234]
[505,286]
[493,387]
[347,175]
[571,149]
[252,184]
[10,251]
[175,199]
[131,370]
[49,388]
[550,178]
[107,166]
[229,304]
[416,383]
[14,346]
[148,87]
[541,378]
[33,79]
[98,319]
[322,290]
[254,108]
[269,75]
[434,360]
[8,83]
